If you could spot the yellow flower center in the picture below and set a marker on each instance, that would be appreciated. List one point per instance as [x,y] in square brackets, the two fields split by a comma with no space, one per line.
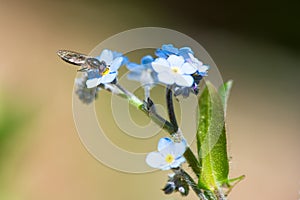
[175,69]
[105,72]
[169,158]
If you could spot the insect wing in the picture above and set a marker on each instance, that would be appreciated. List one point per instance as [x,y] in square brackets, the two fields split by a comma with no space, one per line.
[72,57]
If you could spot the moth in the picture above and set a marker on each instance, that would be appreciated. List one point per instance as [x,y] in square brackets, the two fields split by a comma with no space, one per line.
[84,61]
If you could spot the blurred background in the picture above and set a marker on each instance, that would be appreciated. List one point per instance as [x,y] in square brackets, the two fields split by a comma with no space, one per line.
[255,43]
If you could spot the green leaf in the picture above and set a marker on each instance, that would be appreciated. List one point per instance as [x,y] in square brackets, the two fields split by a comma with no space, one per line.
[224,92]
[233,182]
[211,139]
[236,180]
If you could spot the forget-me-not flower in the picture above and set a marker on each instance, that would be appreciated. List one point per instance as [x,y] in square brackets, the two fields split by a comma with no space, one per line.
[201,68]
[113,62]
[186,52]
[143,72]
[174,70]
[168,49]
[169,154]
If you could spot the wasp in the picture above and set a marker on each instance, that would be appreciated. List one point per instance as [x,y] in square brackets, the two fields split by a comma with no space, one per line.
[86,62]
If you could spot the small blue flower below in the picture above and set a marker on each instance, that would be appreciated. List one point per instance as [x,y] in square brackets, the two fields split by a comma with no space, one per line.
[169,155]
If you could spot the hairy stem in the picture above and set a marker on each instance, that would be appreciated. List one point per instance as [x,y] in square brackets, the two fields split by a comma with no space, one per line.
[170,106]
[189,155]
[149,109]
[192,161]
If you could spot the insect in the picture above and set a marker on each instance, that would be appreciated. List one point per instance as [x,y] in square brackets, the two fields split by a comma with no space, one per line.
[86,62]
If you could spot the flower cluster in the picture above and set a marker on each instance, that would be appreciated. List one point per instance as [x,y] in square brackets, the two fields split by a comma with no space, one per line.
[181,72]
[176,68]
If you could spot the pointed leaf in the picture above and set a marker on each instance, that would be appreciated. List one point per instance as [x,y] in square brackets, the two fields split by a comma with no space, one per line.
[233,182]
[224,92]
[211,140]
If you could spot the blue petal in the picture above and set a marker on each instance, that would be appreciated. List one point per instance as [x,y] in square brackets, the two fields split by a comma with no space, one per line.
[160,53]
[108,78]
[163,143]
[178,149]
[147,59]
[139,68]
[116,64]
[170,49]
[134,76]
[131,66]
[125,60]
[91,83]
[186,50]
[117,54]
[177,162]
[166,51]
[106,56]
[176,61]
[94,73]
[155,160]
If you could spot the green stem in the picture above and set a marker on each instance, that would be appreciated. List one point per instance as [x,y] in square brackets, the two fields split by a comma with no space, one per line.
[170,106]
[189,155]
[192,161]
[160,121]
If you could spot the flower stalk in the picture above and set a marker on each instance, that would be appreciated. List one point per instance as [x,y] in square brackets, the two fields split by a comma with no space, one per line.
[170,107]
[189,155]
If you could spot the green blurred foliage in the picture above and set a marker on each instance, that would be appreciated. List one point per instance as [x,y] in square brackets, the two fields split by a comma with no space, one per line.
[14,115]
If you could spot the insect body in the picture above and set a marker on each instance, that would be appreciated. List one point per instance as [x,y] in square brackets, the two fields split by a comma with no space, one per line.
[82,60]
[93,63]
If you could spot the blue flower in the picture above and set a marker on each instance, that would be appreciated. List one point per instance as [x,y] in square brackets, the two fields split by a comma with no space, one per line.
[168,49]
[143,72]
[169,155]
[113,60]
[174,70]
[188,55]
[201,68]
